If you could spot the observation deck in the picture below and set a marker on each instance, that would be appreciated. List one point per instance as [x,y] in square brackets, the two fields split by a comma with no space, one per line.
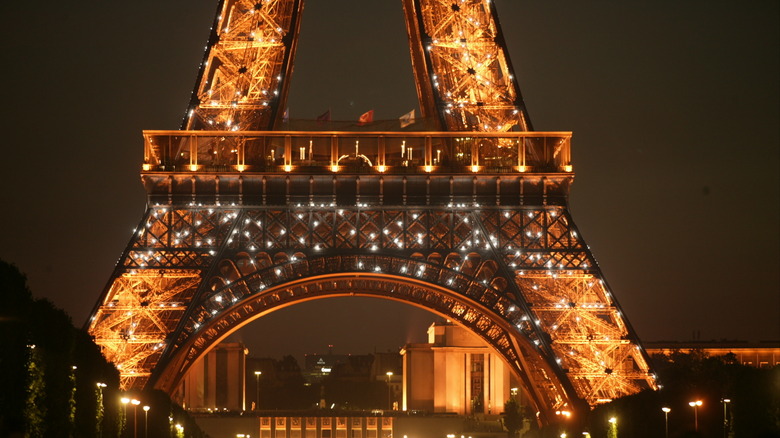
[357,167]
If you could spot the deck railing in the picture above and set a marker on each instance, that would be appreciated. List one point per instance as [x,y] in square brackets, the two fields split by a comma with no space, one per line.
[356,152]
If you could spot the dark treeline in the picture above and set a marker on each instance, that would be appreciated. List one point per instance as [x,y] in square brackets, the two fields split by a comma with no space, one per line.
[753,410]
[50,371]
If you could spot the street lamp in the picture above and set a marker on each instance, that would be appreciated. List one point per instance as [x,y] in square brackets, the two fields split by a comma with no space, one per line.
[135,416]
[99,417]
[257,387]
[389,392]
[612,427]
[695,405]
[124,401]
[666,419]
[725,402]
[146,421]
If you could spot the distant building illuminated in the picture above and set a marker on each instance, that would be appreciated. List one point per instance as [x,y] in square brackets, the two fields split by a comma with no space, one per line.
[764,354]
[455,372]
[217,381]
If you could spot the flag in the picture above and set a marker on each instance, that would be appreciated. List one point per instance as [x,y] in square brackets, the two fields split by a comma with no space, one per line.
[367,117]
[407,119]
[324,117]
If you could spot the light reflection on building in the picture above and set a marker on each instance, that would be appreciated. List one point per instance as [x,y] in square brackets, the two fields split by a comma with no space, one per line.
[455,372]
[217,381]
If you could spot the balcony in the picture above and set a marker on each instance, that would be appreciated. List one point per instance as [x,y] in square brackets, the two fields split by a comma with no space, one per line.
[333,152]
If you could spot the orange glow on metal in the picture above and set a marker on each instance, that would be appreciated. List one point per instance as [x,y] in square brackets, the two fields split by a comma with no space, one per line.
[459,62]
[224,151]
[132,321]
[243,77]
[535,293]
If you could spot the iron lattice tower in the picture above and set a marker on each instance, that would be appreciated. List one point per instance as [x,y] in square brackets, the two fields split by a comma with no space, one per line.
[469,221]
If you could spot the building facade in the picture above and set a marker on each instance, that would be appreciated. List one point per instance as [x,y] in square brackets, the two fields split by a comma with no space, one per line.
[765,354]
[455,372]
[217,381]
[331,424]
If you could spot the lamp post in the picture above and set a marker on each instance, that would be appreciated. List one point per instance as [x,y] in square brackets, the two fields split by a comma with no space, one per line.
[135,416]
[695,405]
[666,419]
[389,391]
[124,401]
[612,427]
[100,386]
[725,402]
[146,421]
[257,387]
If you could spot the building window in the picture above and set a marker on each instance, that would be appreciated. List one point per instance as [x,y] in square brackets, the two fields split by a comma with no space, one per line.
[477,383]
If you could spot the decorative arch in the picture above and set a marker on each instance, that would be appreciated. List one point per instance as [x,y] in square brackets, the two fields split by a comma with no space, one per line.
[467,293]
[478,318]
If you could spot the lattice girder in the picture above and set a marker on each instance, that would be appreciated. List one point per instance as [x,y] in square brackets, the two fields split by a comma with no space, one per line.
[549,293]
[463,72]
[587,331]
[141,308]
[243,81]
[475,228]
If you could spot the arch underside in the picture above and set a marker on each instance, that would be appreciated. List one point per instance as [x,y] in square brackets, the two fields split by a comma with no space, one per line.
[516,350]
[519,277]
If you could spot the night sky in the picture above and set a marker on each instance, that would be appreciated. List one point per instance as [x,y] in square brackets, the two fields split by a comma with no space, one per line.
[673,105]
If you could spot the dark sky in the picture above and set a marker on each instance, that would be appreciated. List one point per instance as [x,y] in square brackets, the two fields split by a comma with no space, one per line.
[673,105]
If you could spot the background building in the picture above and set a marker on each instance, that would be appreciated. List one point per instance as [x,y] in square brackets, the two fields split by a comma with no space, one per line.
[454,372]
[764,354]
[216,381]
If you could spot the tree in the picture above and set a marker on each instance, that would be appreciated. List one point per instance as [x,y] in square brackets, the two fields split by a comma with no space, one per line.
[49,369]
[512,417]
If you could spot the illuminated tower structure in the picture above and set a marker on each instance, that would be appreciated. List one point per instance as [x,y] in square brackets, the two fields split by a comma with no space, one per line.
[469,220]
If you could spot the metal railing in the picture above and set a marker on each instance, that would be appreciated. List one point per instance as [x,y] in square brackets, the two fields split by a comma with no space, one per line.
[356,152]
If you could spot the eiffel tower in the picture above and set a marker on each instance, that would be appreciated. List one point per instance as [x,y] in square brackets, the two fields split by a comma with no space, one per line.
[465,215]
